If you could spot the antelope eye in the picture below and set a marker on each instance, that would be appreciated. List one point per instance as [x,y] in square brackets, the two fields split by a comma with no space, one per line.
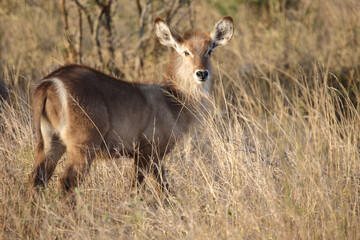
[186,53]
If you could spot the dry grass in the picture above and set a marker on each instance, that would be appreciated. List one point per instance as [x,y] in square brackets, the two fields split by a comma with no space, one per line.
[279,158]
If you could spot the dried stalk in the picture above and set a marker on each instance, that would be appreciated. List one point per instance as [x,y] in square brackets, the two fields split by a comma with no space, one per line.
[139,8]
[191,17]
[107,25]
[142,24]
[93,26]
[80,37]
[172,11]
[87,14]
[69,45]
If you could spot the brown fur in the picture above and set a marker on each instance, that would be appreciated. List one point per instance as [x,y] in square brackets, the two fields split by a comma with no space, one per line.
[81,111]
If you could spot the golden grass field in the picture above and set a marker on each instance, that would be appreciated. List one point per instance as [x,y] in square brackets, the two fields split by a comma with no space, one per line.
[279,158]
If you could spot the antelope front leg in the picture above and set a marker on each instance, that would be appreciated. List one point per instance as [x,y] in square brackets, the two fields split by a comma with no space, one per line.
[159,174]
[141,167]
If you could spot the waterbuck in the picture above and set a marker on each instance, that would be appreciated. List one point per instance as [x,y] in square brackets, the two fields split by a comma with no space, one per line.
[81,111]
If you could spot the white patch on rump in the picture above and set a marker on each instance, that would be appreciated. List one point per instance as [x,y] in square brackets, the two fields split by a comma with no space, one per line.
[63,98]
[47,132]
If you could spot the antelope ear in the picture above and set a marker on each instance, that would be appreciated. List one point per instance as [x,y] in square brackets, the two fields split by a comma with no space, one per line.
[223,32]
[167,36]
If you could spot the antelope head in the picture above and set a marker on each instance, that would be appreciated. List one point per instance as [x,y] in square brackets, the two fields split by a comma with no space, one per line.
[190,67]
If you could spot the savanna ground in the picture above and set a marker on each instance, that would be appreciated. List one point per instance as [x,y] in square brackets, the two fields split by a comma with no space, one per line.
[278,159]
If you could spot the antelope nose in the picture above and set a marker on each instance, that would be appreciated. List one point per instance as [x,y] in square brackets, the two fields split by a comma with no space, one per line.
[202,74]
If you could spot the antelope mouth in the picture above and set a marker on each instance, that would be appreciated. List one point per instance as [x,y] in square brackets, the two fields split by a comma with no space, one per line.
[200,81]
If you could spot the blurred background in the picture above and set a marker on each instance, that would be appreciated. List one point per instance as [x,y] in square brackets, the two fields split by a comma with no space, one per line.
[281,37]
